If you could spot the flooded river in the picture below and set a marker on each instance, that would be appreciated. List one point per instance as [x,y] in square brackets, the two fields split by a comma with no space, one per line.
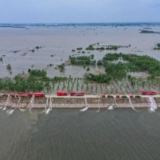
[70,134]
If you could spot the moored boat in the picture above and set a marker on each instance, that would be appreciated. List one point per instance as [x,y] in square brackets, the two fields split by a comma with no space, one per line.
[144,92]
[77,93]
[62,93]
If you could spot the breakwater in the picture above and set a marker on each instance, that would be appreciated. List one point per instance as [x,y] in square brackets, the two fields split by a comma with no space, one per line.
[89,101]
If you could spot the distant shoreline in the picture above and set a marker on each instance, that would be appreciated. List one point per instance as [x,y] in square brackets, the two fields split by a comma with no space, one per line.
[118,24]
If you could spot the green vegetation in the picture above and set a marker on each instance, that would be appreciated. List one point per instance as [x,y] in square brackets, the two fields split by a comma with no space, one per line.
[120,70]
[101,78]
[38,47]
[100,49]
[99,63]
[113,71]
[116,71]
[110,47]
[88,69]
[50,65]
[35,81]
[8,67]
[149,32]
[61,67]
[38,73]
[135,63]
[116,78]
[59,79]
[79,49]
[82,60]
[157,47]
[32,50]
[90,48]
[1,59]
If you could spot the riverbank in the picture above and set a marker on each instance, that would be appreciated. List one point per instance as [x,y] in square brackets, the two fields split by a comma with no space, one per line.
[89,101]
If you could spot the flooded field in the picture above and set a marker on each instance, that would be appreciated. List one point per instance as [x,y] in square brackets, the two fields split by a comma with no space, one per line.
[57,43]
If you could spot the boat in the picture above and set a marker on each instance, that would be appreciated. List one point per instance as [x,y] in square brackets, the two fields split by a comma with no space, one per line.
[38,95]
[14,95]
[131,96]
[62,93]
[118,96]
[144,92]
[76,93]
[11,95]
[26,94]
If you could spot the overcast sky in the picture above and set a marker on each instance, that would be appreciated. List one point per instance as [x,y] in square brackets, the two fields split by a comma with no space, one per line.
[59,11]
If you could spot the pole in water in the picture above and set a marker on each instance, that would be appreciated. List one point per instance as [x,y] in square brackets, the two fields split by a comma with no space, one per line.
[98,105]
[11,111]
[114,97]
[18,105]
[86,108]
[130,102]
[7,101]
[50,106]
[111,107]
[153,104]
[31,103]
[46,106]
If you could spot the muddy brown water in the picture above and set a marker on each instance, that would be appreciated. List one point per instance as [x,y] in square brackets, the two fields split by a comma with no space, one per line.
[70,134]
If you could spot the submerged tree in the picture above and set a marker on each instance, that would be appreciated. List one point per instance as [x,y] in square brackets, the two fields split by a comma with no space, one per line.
[8,67]
[1,59]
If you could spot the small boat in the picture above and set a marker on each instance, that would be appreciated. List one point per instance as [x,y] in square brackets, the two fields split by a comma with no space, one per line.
[5,95]
[38,95]
[62,93]
[144,92]
[118,96]
[14,95]
[152,93]
[26,94]
[77,93]
[103,95]
[131,96]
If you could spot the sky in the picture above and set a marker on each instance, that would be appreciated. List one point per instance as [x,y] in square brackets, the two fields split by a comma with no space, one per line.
[79,11]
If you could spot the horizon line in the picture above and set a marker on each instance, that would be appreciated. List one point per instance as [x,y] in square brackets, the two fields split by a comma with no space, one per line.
[72,22]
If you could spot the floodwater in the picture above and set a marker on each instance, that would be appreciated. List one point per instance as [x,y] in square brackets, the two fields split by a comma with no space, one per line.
[65,134]
[59,42]
[68,134]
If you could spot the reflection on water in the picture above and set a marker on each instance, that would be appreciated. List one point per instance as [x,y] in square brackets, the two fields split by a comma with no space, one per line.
[65,134]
